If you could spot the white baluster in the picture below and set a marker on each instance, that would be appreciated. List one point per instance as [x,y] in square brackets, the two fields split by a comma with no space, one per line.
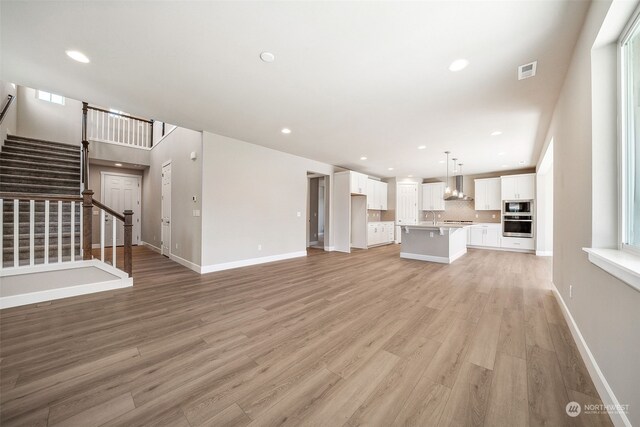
[73,231]
[16,233]
[59,230]
[113,242]
[46,232]
[81,228]
[102,219]
[144,135]
[32,231]
[102,115]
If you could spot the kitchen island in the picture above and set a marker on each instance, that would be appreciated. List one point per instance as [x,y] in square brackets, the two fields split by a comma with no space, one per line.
[440,242]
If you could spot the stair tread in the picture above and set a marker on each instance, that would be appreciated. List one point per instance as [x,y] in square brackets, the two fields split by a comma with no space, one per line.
[12,149]
[8,156]
[6,175]
[24,138]
[25,169]
[32,144]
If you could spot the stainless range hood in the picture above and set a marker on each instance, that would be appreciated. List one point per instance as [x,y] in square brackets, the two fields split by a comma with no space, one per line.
[460,188]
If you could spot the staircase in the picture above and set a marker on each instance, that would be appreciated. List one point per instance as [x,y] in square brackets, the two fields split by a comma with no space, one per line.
[36,168]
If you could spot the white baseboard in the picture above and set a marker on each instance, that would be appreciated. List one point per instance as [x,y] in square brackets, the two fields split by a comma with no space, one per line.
[190,265]
[619,418]
[458,255]
[150,246]
[252,261]
[52,294]
[329,248]
[544,253]
[315,242]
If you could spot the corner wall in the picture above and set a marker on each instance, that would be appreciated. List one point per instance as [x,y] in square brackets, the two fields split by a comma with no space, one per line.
[604,308]
[251,196]
[186,182]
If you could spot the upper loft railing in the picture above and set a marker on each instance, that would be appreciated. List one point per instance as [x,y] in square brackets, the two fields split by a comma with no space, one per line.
[115,127]
[6,106]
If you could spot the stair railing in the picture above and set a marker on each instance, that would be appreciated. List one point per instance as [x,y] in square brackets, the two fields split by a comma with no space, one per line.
[7,104]
[126,218]
[116,127]
[54,231]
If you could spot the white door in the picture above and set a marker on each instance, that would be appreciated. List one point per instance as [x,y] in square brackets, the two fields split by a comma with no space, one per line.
[166,210]
[121,192]
[407,203]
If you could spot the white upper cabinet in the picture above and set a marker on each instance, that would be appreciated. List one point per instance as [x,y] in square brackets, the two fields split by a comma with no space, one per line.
[433,196]
[519,187]
[377,195]
[358,183]
[487,195]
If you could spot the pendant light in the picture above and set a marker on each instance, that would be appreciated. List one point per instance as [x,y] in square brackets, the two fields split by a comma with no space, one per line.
[460,194]
[455,190]
[447,190]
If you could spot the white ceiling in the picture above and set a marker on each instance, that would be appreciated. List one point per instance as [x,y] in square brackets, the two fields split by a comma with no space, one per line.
[350,79]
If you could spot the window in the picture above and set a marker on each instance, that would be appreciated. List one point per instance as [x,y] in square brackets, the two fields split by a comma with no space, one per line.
[630,144]
[50,97]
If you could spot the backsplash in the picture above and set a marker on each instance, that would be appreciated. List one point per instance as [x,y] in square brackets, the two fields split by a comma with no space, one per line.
[463,211]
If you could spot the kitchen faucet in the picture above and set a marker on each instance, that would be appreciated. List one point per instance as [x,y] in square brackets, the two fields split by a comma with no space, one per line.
[434,217]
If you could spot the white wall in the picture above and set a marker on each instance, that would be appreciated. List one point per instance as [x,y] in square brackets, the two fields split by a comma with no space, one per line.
[186,182]
[46,120]
[544,204]
[251,196]
[583,129]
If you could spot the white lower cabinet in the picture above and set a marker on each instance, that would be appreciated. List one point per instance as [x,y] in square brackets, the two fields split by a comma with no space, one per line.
[380,233]
[484,235]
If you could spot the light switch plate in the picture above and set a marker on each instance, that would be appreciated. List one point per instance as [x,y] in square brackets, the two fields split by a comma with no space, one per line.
[196,212]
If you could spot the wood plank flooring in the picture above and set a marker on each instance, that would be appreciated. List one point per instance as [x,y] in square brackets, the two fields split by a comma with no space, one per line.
[331,339]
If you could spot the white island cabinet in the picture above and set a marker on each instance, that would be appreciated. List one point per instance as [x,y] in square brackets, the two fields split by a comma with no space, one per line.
[441,243]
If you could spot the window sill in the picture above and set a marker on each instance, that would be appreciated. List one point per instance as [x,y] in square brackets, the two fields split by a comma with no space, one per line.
[623,265]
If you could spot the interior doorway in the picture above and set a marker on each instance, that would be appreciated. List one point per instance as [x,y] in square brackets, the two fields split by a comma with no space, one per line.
[166,210]
[317,210]
[544,204]
[121,191]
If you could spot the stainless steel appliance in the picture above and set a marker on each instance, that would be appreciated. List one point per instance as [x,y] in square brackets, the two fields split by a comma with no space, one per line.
[524,207]
[517,218]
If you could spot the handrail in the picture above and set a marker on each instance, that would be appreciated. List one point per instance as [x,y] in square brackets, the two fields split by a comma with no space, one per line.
[40,197]
[115,113]
[7,104]
[108,210]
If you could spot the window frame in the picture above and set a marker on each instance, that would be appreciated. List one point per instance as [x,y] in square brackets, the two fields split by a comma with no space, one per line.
[49,97]
[631,28]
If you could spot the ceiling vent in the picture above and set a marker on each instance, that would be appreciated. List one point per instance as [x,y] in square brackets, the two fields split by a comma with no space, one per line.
[527,70]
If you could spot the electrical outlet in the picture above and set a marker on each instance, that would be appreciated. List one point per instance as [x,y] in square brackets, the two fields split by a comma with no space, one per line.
[259,247]
[477,215]
[431,234]
[298,214]
[176,246]
[493,216]
[570,291]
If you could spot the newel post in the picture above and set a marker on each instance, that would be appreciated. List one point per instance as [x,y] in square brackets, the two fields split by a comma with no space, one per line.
[87,216]
[151,134]
[85,108]
[128,238]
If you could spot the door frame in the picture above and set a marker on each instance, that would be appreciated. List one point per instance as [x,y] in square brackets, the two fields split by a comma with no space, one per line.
[165,163]
[128,175]
[326,213]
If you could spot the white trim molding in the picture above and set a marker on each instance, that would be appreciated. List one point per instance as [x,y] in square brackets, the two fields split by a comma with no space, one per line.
[252,261]
[123,281]
[190,265]
[150,246]
[544,253]
[621,264]
[619,418]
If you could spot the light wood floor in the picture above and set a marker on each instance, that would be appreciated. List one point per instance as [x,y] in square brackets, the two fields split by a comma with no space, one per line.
[331,339]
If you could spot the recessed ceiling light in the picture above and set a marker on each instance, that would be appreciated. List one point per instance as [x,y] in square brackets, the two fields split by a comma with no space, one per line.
[409,176]
[441,161]
[421,147]
[501,153]
[77,56]
[286,131]
[522,162]
[390,169]
[504,166]
[458,65]
[118,164]
[496,133]
[363,158]
[267,57]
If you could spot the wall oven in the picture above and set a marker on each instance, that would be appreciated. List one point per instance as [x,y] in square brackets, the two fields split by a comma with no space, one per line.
[517,218]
